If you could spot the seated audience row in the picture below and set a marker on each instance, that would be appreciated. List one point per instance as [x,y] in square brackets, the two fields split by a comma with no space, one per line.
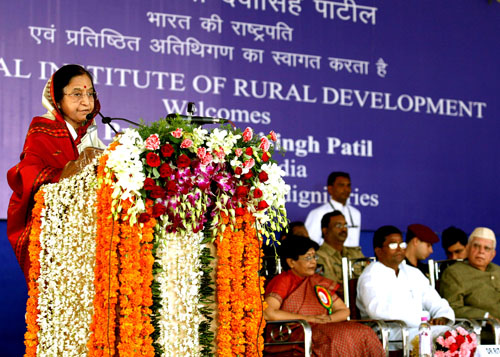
[391,288]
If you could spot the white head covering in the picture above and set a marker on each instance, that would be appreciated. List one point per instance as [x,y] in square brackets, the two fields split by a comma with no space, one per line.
[485,233]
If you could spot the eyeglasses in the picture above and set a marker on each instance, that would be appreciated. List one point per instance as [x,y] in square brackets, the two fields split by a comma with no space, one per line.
[78,96]
[309,258]
[341,225]
[394,245]
[485,247]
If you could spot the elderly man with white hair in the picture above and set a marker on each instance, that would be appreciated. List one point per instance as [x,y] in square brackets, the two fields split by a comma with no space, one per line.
[472,287]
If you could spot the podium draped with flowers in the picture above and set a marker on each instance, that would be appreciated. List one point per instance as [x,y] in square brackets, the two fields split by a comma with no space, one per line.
[159,252]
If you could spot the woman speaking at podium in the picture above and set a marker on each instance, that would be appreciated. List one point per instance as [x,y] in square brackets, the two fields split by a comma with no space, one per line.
[58,144]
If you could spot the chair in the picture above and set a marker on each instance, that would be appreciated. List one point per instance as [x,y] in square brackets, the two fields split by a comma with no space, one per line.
[436,268]
[280,332]
[381,327]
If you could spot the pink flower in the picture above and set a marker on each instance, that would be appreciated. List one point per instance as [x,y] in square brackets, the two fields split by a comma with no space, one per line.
[273,136]
[247,134]
[220,154]
[238,152]
[462,331]
[201,153]
[207,159]
[153,142]
[177,133]
[249,163]
[186,143]
[264,144]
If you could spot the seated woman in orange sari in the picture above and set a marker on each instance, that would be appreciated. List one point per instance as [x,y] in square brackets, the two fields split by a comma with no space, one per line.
[300,293]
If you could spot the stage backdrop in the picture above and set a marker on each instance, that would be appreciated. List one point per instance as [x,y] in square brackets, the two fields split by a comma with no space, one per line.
[401,94]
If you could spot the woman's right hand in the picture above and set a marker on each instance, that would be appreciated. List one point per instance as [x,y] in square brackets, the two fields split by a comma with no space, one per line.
[318,319]
[85,158]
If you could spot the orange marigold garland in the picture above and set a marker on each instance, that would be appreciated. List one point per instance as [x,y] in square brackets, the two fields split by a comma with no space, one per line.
[102,340]
[239,289]
[254,286]
[121,323]
[31,335]
[133,287]
[147,261]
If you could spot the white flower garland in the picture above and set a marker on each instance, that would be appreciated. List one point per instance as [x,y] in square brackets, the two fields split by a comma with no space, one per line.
[180,279]
[125,162]
[67,261]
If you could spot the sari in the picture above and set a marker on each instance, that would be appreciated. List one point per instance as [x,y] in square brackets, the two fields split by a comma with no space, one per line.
[48,147]
[297,295]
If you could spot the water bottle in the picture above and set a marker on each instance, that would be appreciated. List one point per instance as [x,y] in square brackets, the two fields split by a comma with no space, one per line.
[424,338]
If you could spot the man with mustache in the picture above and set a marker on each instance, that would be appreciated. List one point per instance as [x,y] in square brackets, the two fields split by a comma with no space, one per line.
[390,289]
[334,230]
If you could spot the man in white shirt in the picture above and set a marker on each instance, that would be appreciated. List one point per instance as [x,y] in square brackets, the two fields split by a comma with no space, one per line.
[339,188]
[389,289]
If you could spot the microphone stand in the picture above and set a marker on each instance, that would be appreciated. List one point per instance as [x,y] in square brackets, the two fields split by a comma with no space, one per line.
[108,120]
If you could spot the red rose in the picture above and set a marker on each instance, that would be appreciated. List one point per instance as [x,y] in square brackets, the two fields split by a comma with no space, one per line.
[149,183]
[153,159]
[241,191]
[257,193]
[240,211]
[265,157]
[238,170]
[158,192]
[469,338]
[248,175]
[144,218]
[183,161]
[263,176]
[171,188]
[249,151]
[447,334]
[453,347]
[167,150]
[262,205]
[165,170]
[460,339]
[159,210]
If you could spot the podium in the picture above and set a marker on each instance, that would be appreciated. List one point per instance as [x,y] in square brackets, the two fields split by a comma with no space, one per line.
[155,247]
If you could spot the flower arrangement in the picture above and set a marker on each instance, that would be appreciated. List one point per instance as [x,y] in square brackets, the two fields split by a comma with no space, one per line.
[207,174]
[458,342]
[165,258]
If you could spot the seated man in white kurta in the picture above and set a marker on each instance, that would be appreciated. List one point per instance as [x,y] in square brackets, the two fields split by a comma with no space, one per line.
[389,289]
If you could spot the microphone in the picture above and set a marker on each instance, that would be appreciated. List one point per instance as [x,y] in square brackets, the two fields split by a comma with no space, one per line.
[195,119]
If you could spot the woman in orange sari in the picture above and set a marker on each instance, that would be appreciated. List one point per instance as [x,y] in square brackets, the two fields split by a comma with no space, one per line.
[300,293]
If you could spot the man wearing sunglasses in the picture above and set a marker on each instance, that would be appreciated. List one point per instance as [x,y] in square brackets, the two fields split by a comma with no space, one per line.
[390,289]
